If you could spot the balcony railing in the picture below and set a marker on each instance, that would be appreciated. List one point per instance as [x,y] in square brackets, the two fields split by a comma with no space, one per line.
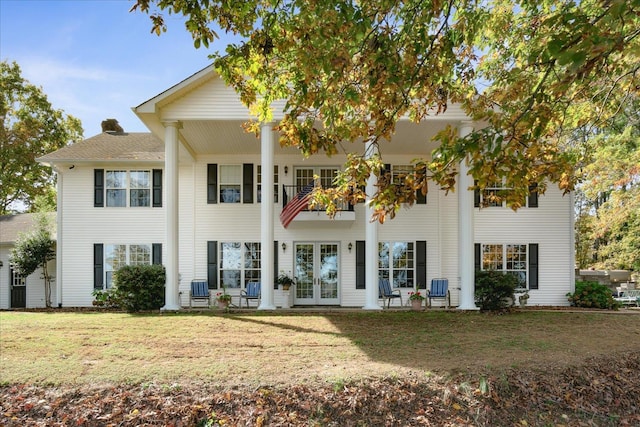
[290,191]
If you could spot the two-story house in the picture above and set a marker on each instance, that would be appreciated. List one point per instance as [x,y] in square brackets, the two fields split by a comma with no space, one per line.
[204,198]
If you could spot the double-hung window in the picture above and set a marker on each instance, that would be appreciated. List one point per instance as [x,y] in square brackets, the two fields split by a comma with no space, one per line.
[275,184]
[239,263]
[136,183]
[118,255]
[508,258]
[230,183]
[139,188]
[396,263]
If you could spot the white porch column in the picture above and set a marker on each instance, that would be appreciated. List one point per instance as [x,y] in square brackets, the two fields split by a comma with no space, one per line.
[371,243]
[466,230]
[172,298]
[266,218]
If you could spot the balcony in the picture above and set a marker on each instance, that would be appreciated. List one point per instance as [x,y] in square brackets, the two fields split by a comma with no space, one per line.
[317,216]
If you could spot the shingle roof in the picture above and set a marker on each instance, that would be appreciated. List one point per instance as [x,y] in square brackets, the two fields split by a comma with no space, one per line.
[12,225]
[111,146]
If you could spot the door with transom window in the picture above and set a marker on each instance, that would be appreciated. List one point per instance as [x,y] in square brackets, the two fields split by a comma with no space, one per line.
[316,267]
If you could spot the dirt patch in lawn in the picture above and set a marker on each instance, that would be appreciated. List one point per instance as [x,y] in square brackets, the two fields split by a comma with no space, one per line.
[342,368]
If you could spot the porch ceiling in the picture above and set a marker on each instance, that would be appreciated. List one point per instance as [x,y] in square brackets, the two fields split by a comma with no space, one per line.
[207,137]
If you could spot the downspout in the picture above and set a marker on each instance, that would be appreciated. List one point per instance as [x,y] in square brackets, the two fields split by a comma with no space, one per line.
[59,234]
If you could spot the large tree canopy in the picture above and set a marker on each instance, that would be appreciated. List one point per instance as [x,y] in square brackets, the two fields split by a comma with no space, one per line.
[31,128]
[531,71]
[608,222]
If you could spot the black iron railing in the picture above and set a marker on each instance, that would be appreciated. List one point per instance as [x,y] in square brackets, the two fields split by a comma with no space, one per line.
[290,191]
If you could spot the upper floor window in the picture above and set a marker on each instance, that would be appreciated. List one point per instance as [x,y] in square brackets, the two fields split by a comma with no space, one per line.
[396,263]
[230,183]
[493,194]
[136,183]
[128,188]
[275,184]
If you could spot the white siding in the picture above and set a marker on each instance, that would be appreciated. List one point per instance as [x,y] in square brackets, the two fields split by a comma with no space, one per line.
[35,297]
[83,225]
[436,223]
[549,226]
[212,100]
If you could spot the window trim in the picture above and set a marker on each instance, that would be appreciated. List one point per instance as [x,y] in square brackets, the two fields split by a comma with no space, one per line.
[504,261]
[243,268]
[390,269]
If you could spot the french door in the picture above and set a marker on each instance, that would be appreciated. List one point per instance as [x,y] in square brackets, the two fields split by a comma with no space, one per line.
[317,268]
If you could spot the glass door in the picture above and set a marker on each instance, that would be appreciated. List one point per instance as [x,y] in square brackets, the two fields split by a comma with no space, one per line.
[316,266]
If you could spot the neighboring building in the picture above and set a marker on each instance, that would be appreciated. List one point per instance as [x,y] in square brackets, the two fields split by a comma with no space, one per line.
[191,195]
[17,291]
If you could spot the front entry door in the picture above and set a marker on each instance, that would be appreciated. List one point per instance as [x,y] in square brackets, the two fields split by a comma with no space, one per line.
[18,290]
[316,267]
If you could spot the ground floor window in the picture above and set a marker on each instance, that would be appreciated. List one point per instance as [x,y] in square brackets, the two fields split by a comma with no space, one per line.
[509,258]
[239,263]
[396,262]
[115,256]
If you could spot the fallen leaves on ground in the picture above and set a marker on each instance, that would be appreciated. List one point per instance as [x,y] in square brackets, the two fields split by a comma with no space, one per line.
[603,391]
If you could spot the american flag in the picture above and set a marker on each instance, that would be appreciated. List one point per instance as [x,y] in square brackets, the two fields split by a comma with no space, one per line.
[299,202]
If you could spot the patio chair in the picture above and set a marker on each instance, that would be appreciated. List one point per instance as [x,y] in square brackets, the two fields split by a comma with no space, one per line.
[385,292]
[439,289]
[199,292]
[252,292]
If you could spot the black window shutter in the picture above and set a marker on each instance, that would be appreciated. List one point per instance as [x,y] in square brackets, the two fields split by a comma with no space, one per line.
[533,266]
[98,266]
[212,183]
[360,265]
[247,183]
[477,258]
[157,188]
[275,264]
[421,264]
[156,253]
[98,196]
[421,199]
[476,195]
[212,264]
[533,196]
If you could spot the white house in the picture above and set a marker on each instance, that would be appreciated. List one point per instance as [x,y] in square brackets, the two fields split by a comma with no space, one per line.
[192,194]
[17,291]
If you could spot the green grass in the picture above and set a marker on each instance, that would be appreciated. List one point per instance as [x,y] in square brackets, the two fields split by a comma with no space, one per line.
[272,348]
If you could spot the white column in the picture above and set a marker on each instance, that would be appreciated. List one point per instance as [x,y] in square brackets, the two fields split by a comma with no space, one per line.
[266,218]
[466,231]
[371,243]
[172,298]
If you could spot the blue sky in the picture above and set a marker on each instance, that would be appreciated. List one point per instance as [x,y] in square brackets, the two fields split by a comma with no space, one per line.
[94,59]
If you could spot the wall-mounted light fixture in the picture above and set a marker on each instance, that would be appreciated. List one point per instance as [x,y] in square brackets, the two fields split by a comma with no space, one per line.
[284,246]
[1,264]
[286,170]
[350,246]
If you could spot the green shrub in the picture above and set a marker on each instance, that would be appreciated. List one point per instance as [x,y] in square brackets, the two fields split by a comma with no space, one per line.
[592,295]
[494,290]
[139,287]
[106,298]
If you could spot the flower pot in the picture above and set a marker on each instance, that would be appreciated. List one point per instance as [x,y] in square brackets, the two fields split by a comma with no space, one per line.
[286,287]
[416,305]
[223,304]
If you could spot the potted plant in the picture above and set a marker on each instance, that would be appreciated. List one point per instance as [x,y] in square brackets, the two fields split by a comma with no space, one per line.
[416,299]
[522,299]
[285,280]
[224,299]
